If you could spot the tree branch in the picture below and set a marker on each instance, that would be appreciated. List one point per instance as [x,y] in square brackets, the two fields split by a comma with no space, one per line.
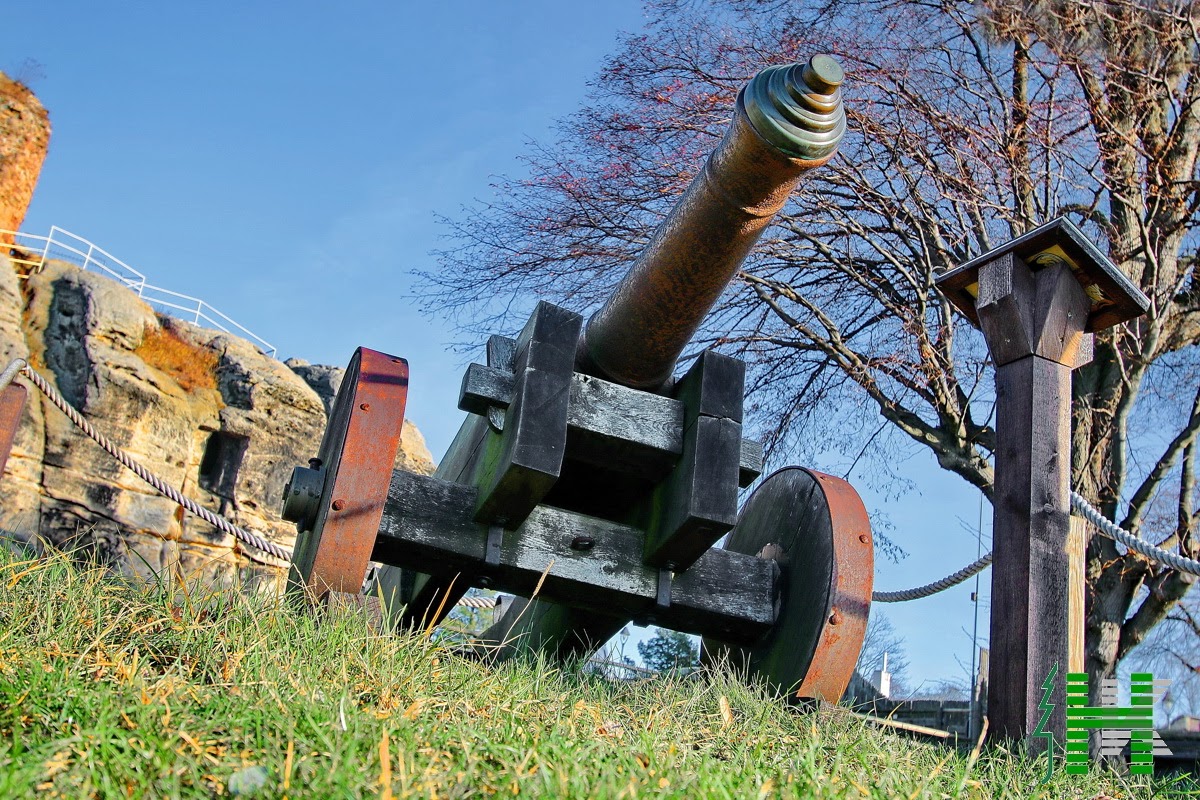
[1166,462]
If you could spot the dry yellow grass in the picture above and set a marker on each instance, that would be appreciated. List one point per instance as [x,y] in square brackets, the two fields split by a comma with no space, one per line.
[191,366]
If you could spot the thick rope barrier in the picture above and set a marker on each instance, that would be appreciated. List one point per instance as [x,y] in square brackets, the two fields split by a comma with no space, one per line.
[478,602]
[1085,510]
[11,371]
[969,571]
[20,367]
[1119,534]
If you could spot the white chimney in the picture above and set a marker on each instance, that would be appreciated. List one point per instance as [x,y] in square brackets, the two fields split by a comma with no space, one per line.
[883,679]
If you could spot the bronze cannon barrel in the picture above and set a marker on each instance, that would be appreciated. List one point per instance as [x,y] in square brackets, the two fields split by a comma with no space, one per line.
[789,119]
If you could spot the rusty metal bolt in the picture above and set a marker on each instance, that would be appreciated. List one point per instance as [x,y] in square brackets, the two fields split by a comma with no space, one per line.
[583,543]
[365,406]
[835,618]
[338,505]
[862,537]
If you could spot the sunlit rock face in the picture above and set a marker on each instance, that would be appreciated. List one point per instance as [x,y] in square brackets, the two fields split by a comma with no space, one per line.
[206,411]
[24,139]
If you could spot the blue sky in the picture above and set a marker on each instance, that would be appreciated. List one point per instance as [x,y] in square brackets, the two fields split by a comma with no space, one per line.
[287,168]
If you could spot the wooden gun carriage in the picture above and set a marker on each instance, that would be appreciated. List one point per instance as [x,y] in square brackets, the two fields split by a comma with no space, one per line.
[585,476]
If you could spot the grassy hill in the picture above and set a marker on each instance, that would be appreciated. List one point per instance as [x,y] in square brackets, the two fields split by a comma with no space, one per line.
[112,690]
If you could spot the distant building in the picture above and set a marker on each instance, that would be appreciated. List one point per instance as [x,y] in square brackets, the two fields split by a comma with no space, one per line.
[1185,724]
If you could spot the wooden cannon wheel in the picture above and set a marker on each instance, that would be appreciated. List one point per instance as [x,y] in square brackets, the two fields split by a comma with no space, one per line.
[338,505]
[816,528]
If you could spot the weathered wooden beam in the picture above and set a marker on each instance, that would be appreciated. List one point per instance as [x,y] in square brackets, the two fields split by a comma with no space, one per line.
[517,470]
[501,351]
[750,462]
[484,387]
[623,429]
[501,354]
[697,503]
[577,560]
[412,597]
[609,424]
[1034,324]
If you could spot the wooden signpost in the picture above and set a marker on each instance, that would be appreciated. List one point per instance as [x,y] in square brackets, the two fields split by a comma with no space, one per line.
[1038,300]
[12,404]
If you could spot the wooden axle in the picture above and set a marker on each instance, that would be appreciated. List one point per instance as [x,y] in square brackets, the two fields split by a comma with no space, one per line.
[576,560]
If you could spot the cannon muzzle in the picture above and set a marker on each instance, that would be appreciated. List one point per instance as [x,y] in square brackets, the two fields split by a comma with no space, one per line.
[789,119]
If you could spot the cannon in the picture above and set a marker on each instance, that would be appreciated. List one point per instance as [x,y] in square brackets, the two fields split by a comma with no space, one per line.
[590,479]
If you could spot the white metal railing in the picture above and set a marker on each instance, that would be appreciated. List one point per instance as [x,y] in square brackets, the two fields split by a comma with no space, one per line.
[62,245]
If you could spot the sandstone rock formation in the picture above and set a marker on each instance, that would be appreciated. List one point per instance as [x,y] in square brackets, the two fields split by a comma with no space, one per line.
[24,139]
[205,410]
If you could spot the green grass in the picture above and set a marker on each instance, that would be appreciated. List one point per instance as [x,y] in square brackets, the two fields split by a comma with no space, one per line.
[111,690]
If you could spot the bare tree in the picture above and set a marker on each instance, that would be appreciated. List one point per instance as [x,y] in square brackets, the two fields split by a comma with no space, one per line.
[969,123]
[1170,652]
[882,639]
[948,689]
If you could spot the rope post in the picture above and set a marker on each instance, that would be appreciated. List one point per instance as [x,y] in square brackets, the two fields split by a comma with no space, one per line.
[1035,301]
[1030,628]
[12,404]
